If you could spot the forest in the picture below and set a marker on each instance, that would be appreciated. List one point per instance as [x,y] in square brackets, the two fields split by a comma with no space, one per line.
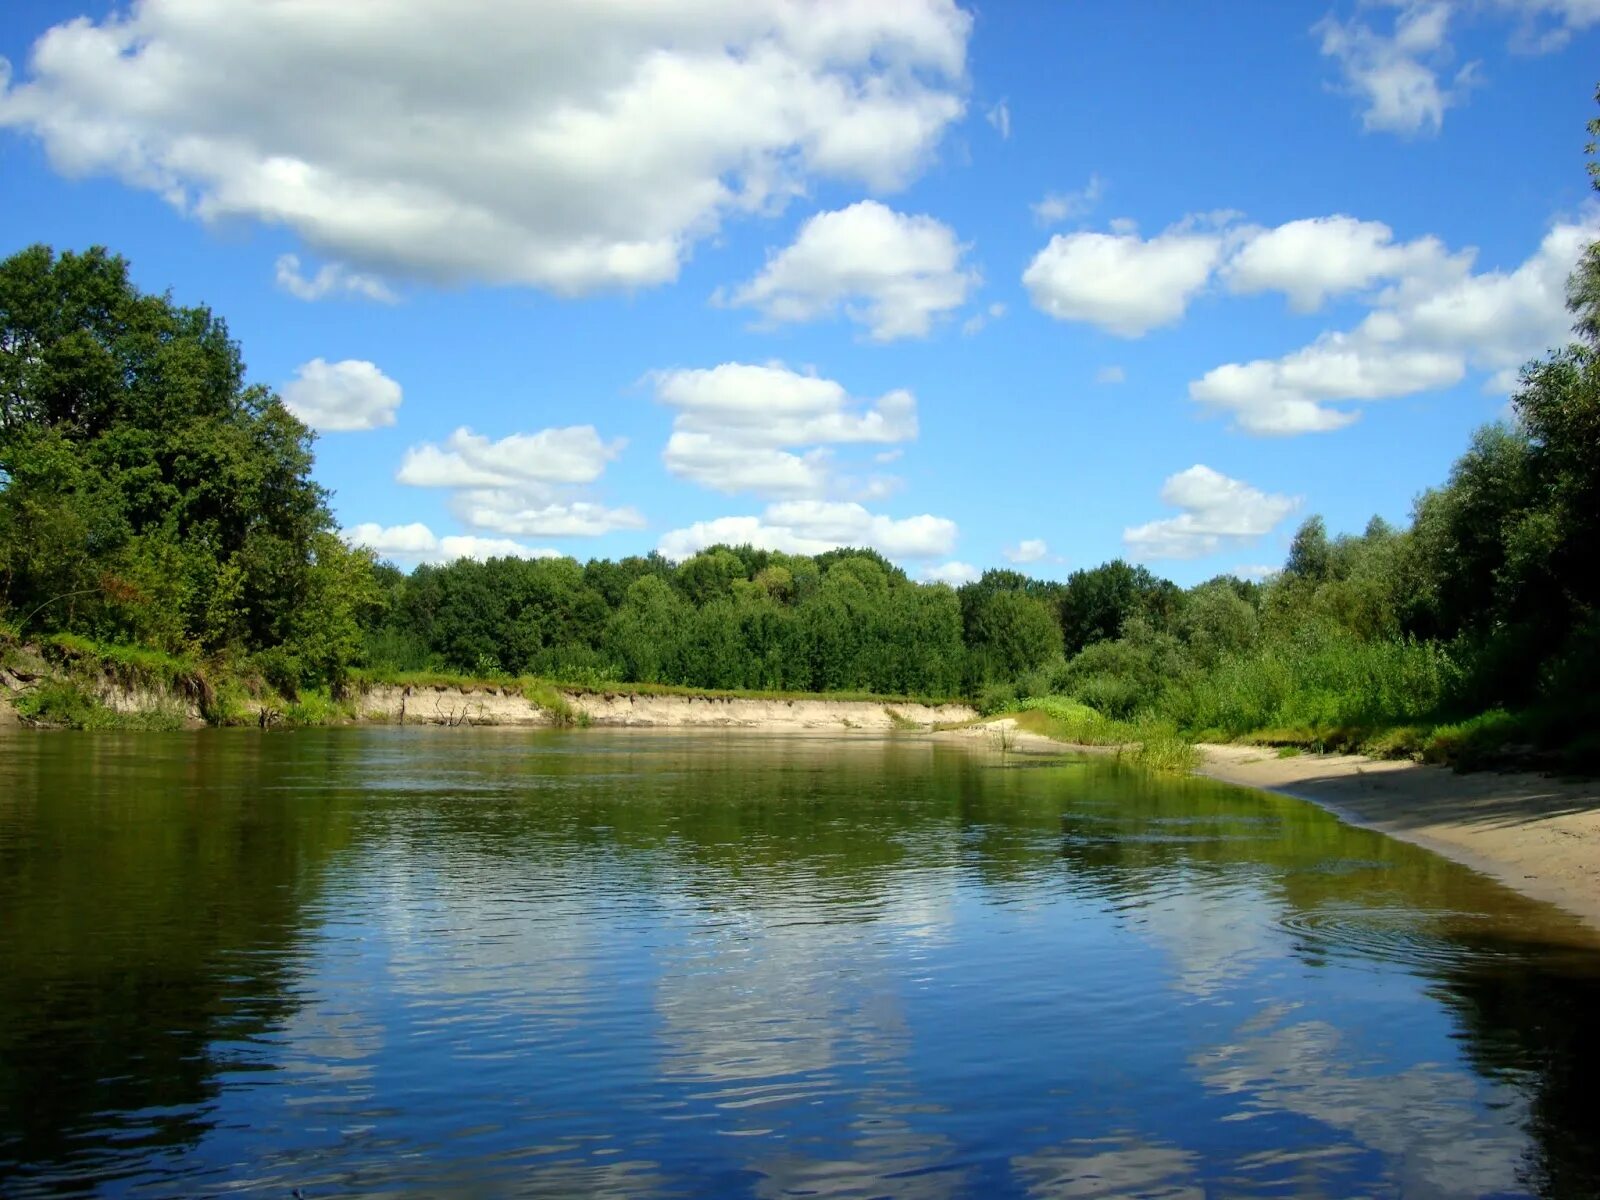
[159,512]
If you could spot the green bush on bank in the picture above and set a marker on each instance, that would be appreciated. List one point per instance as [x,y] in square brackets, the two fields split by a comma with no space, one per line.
[1149,741]
[69,704]
[1320,679]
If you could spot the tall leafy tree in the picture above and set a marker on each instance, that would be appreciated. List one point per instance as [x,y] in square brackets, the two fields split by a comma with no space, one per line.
[141,477]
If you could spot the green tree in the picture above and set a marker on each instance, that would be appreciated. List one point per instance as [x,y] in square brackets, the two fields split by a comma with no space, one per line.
[709,575]
[145,489]
[1310,556]
[1097,602]
[1009,633]
[1217,621]
[646,633]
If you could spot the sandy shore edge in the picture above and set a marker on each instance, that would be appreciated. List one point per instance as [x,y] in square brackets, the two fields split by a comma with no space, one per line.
[1536,835]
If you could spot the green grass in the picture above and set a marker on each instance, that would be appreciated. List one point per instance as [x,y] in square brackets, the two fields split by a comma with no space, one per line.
[1319,686]
[315,706]
[1148,742]
[561,710]
[899,720]
[232,703]
[1480,741]
[130,666]
[1162,748]
[1326,692]
[69,704]
[1063,719]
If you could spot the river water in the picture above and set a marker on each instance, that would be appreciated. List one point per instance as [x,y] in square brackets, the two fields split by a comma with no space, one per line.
[398,962]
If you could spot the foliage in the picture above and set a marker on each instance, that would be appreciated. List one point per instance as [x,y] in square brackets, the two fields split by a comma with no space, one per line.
[561,710]
[316,706]
[1323,678]
[1009,629]
[65,703]
[147,493]
[1096,603]
[70,704]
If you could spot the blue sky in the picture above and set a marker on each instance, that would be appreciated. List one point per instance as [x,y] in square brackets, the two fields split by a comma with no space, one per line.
[1033,283]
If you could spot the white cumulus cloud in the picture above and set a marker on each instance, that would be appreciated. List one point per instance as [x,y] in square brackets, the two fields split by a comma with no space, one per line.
[892,273]
[1425,331]
[519,514]
[1396,75]
[1029,550]
[563,146]
[342,396]
[331,279]
[813,526]
[768,430]
[1111,374]
[1217,512]
[417,543]
[1316,258]
[1121,282]
[1063,206]
[575,454]
[954,572]
[523,484]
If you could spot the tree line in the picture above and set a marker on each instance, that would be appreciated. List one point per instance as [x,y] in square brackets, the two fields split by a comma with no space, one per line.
[150,495]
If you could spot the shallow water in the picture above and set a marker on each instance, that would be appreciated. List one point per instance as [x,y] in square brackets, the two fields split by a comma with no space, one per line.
[456,963]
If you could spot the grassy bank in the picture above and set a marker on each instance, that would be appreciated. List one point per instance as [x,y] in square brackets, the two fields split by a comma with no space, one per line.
[1493,739]
[1147,741]
[1319,692]
[64,681]
[1316,695]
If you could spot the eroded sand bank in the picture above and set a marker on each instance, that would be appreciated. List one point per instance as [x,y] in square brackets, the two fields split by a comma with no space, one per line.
[508,706]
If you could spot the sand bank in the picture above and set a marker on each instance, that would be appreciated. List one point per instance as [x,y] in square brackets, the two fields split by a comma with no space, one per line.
[508,706]
[1538,835]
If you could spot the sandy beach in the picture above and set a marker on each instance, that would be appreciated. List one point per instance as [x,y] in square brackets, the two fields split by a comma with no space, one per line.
[1538,835]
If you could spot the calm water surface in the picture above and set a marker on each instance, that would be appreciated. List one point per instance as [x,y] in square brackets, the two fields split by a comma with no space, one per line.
[470,964]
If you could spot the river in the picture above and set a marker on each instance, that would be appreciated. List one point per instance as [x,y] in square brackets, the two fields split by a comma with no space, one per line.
[458,963]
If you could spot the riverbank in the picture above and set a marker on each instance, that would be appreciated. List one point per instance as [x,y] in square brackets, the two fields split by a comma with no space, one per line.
[43,694]
[392,704]
[1537,835]
[73,683]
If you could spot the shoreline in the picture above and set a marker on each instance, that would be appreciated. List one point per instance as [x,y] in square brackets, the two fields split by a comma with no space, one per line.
[517,704]
[1536,835]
